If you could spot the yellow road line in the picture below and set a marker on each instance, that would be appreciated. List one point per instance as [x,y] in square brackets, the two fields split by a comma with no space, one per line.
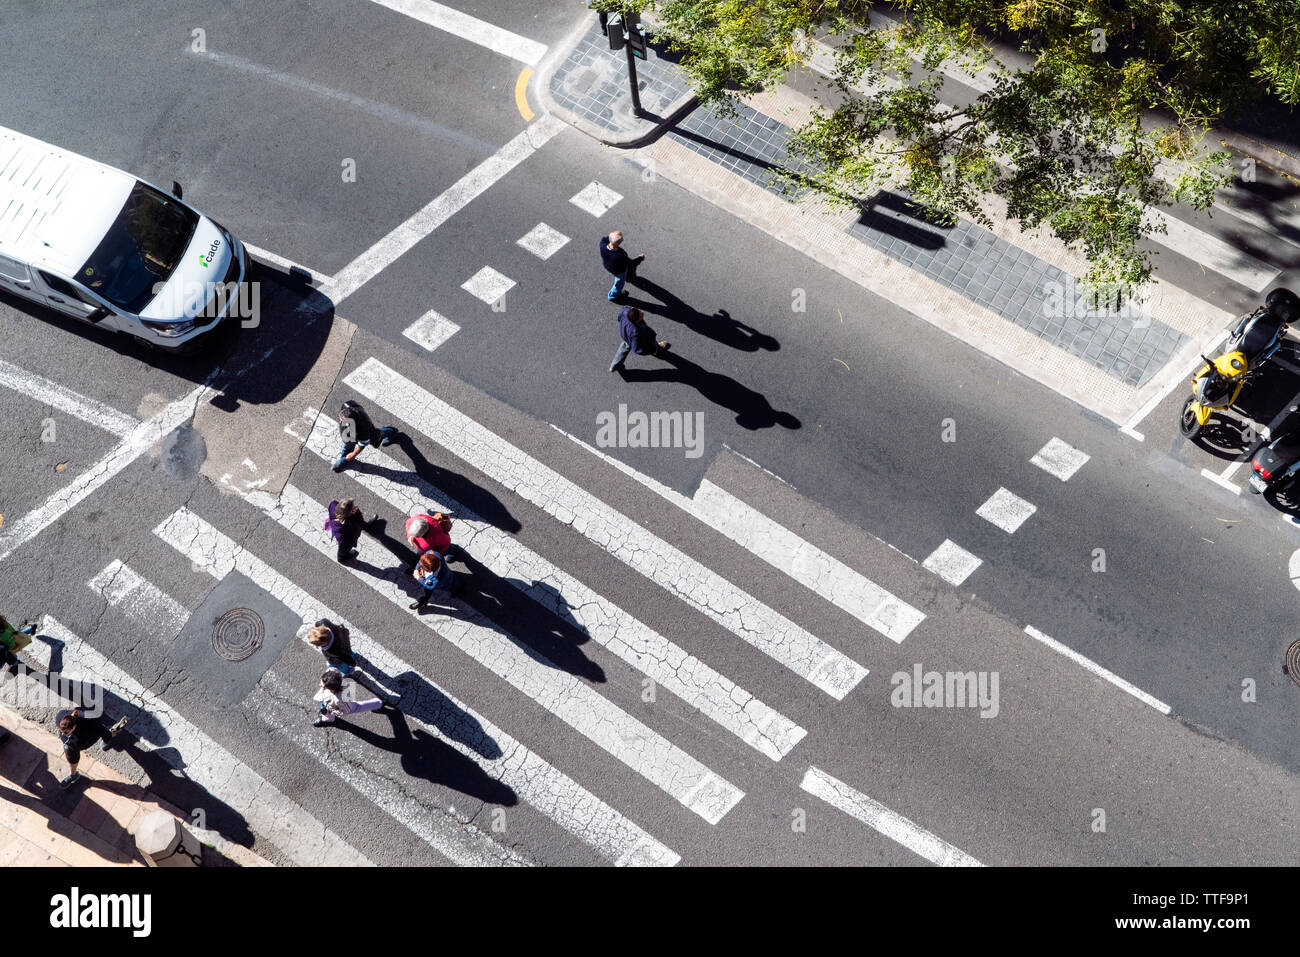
[521,93]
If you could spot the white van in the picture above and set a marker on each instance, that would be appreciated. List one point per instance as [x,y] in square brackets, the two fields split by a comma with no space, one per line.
[97,244]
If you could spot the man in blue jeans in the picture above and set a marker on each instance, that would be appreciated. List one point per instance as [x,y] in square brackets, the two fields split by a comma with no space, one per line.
[617,261]
[357,431]
[637,337]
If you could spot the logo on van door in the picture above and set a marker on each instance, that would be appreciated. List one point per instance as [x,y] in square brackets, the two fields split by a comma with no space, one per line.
[206,258]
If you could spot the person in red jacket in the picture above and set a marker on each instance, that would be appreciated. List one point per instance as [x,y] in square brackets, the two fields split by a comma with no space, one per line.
[431,533]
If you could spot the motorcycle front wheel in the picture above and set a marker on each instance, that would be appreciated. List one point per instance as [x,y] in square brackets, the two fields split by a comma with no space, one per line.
[1187,422]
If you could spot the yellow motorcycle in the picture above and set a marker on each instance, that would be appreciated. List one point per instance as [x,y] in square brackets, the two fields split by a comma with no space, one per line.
[1215,386]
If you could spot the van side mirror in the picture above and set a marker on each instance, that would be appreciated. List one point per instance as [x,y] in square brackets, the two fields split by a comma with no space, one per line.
[98,315]
[176,189]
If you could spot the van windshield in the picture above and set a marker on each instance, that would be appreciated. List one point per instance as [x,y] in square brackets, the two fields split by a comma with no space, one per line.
[140,249]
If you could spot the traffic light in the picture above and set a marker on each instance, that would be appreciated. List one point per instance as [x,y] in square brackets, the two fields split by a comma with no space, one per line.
[636,40]
[614,30]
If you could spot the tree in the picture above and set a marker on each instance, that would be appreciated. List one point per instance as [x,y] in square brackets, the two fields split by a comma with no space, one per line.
[1114,114]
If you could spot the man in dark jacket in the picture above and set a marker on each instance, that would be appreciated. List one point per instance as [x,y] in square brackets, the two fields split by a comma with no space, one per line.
[637,337]
[616,261]
[357,431]
[78,733]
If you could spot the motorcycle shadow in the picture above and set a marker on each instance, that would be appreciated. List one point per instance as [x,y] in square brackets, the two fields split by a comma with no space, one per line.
[1225,436]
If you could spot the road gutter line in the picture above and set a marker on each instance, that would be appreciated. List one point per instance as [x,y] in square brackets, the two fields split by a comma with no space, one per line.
[1098,670]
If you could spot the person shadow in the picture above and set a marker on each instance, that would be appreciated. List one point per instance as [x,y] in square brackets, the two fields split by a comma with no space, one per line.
[424,757]
[720,326]
[752,409]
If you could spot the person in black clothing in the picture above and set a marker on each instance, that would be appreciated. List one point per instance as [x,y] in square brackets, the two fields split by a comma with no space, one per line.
[617,261]
[357,431]
[346,523]
[78,733]
[335,643]
[637,337]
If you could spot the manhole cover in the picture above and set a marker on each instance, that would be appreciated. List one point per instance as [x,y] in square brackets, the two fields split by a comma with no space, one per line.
[1293,662]
[237,634]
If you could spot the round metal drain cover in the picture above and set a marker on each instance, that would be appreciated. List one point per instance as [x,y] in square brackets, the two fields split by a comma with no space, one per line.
[1293,662]
[237,634]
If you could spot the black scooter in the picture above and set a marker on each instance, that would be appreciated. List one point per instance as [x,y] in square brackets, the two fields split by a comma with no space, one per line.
[1259,334]
[1277,464]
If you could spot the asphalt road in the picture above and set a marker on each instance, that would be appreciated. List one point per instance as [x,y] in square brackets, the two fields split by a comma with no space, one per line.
[845,402]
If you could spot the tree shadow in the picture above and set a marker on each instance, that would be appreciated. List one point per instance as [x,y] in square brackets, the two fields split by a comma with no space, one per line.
[425,757]
[720,326]
[752,409]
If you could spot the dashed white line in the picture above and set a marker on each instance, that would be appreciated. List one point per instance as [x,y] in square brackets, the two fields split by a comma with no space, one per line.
[1006,510]
[65,400]
[881,819]
[1221,481]
[497,753]
[543,241]
[1098,670]
[268,813]
[469,28]
[1060,459]
[952,563]
[488,284]
[680,575]
[431,330]
[459,195]
[596,198]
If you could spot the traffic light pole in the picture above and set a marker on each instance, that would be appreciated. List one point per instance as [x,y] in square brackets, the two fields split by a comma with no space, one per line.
[631,78]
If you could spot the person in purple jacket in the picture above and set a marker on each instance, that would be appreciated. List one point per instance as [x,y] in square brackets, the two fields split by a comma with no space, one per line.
[617,261]
[637,336]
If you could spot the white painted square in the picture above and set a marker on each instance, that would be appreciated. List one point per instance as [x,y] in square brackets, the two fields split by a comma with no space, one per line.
[596,199]
[543,241]
[952,563]
[431,330]
[488,284]
[1060,459]
[1006,510]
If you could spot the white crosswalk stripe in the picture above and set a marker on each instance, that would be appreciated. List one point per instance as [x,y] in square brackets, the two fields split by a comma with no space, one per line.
[599,720]
[889,823]
[536,782]
[596,199]
[952,563]
[785,551]
[1006,510]
[676,671]
[269,814]
[1060,459]
[700,587]
[120,585]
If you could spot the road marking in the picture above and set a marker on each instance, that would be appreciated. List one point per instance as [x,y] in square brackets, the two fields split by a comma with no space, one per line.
[1006,510]
[714,695]
[564,695]
[785,551]
[459,195]
[952,563]
[319,279]
[56,396]
[489,285]
[1097,669]
[682,576]
[1221,481]
[431,330]
[543,241]
[469,28]
[284,708]
[134,444]
[383,111]
[1173,375]
[596,199]
[1211,252]
[1060,459]
[521,94]
[881,819]
[499,755]
[268,813]
[120,585]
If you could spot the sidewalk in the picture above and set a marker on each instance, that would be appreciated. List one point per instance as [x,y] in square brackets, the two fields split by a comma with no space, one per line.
[92,823]
[1008,293]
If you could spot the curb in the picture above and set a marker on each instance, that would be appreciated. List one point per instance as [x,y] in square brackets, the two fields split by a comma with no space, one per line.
[541,84]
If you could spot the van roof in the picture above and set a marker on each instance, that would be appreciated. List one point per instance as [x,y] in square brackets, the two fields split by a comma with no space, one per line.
[55,206]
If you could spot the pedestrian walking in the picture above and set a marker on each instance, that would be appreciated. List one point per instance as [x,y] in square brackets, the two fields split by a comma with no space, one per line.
[637,336]
[357,431]
[79,733]
[431,533]
[334,701]
[616,261]
[335,643]
[14,640]
[346,523]
[433,574]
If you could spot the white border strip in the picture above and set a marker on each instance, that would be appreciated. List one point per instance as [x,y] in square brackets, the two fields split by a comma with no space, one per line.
[1098,670]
